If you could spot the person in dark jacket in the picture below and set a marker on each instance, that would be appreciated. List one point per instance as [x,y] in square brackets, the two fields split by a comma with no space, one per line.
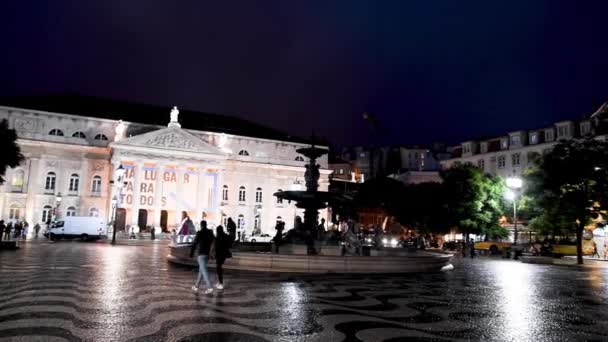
[231,227]
[7,231]
[222,252]
[202,245]
[2,227]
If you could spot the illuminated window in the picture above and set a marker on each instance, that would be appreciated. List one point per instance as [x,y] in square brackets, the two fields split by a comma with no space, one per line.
[14,212]
[299,158]
[504,144]
[17,180]
[96,185]
[46,213]
[242,194]
[101,137]
[243,153]
[49,183]
[240,222]
[341,171]
[71,211]
[79,135]
[533,138]
[56,132]
[258,195]
[549,135]
[94,212]
[225,193]
[515,140]
[74,180]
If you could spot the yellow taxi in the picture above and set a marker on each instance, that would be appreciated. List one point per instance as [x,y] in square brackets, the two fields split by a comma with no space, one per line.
[492,246]
[561,250]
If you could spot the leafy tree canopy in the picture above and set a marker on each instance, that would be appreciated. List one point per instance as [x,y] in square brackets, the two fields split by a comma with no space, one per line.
[11,153]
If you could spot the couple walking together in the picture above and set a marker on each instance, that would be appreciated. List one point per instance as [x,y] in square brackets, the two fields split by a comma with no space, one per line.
[207,246]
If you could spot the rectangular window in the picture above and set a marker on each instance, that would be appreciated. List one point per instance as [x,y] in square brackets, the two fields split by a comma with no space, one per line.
[533,138]
[242,195]
[515,158]
[501,162]
[504,144]
[481,164]
[585,128]
[549,135]
[515,140]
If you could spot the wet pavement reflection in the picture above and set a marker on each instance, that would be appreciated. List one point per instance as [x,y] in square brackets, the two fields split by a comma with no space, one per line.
[97,292]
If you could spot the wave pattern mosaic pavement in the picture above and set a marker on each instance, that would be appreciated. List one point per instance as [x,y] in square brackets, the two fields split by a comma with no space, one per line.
[70,291]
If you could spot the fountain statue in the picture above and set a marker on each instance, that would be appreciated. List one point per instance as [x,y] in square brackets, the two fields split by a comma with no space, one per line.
[311,200]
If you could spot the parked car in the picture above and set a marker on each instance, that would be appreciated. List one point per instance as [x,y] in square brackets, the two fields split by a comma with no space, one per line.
[261,238]
[83,227]
[451,245]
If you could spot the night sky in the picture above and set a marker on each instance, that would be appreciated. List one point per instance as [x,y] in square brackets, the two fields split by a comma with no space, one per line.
[428,70]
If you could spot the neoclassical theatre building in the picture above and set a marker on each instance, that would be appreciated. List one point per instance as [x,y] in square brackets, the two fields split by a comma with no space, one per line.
[211,166]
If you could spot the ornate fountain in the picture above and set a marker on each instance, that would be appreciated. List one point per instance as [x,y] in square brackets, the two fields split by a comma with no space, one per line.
[311,200]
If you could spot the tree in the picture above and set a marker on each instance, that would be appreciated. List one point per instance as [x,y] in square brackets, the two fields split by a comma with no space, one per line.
[11,153]
[473,201]
[423,208]
[571,183]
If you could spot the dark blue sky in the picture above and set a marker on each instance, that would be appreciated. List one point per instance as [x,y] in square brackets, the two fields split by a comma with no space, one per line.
[428,70]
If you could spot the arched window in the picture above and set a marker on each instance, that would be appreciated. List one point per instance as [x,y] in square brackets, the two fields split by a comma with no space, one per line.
[79,134]
[257,225]
[101,137]
[96,185]
[299,158]
[240,222]
[225,193]
[74,180]
[258,195]
[17,180]
[243,153]
[46,213]
[242,194]
[70,212]
[56,132]
[94,212]
[279,200]
[14,212]
[49,183]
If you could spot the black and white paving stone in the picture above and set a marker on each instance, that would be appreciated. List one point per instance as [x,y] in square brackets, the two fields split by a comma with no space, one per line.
[72,291]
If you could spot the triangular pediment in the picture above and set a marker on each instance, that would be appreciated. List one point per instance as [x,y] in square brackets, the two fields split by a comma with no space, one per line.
[169,139]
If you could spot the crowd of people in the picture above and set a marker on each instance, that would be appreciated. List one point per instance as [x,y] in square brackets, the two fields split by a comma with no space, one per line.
[15,230]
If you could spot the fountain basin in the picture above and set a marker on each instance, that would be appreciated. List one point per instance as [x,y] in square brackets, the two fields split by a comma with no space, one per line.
[420,261]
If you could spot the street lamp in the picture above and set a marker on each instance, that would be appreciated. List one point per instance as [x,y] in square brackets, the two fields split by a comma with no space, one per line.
[120,172]
[514,184]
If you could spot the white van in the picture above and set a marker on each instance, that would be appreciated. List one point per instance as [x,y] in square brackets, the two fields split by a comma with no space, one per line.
[83,227]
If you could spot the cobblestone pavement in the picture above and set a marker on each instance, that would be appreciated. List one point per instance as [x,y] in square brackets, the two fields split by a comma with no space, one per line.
[98,292]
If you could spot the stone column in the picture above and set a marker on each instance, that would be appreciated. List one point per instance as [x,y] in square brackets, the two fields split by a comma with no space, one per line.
[136,185]
[179,204]
[200,193]
[30,187]
[158,194]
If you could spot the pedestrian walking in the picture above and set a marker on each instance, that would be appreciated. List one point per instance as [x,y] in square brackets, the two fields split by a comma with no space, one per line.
[26,229]
[278,237]
[231,227]
[2,228]
[202,246]
[7,231]
[152,232]
[221,247]
[595,251]
[37,229]
[472,248]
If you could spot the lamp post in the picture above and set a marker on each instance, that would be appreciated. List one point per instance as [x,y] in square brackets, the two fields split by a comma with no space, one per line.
[514,185]
[120,171]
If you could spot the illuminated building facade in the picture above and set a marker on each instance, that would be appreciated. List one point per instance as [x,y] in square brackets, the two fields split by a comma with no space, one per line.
[230,170]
